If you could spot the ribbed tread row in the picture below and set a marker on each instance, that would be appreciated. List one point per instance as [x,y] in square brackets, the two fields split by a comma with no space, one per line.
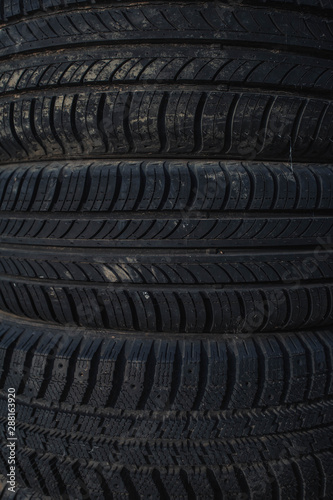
[15,9]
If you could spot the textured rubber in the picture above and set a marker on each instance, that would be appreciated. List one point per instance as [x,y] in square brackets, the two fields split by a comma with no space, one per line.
[225,212]
[236,67]
[21,493]
[163,373]
[210,22]
[166,270]
[81,479]
[229,102]
[166,123]
[17,8]
[201,413]
[151,186]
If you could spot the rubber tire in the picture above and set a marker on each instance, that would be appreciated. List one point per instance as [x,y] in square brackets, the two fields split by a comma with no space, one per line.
[210,247]
[166,196]
[177,417]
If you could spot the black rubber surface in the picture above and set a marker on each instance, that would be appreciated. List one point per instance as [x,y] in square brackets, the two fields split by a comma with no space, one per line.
[166,123]
[17,8]
[214,228]
[162,64]
[234,98]
[170,415]
[211,22]
[166,271]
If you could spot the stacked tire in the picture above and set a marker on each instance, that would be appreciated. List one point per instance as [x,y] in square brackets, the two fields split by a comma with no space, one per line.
[166,267]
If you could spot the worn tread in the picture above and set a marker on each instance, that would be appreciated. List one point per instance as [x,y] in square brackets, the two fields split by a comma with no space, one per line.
[211,23]
[160,64]
[244,125]
[15,9]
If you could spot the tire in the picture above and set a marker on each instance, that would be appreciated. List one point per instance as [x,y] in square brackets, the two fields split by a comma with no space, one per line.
[159,212]
[138,416]
[166,270]
[240,122]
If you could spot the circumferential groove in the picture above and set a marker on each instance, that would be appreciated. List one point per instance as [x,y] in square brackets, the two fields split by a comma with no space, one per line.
[161,123]
[198,118]
[100,121]
[126,123]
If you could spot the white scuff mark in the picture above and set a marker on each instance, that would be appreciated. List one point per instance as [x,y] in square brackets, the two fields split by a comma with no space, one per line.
[108,274]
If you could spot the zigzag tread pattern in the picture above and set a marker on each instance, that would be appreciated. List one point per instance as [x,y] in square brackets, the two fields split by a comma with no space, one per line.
[95,424]
[107,394]
[141,452]
[61,478]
